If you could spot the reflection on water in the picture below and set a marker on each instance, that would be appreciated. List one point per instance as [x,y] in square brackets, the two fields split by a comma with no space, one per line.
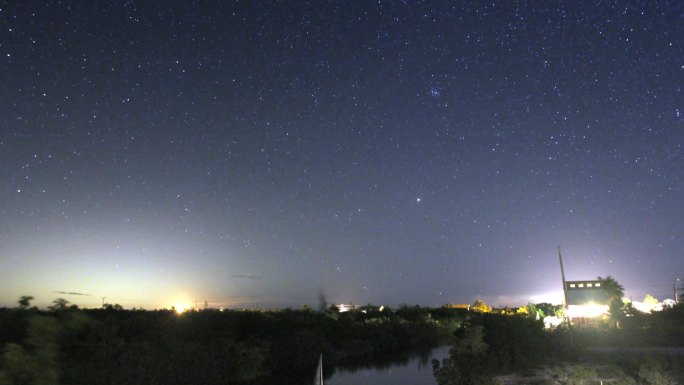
[414,370]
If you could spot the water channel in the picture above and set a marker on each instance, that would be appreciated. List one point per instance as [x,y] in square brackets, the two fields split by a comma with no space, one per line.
[417,370]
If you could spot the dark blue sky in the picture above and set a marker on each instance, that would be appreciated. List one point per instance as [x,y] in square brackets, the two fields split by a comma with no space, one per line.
[388,152]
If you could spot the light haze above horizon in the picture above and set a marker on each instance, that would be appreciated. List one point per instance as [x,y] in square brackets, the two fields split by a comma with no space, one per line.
[252,154]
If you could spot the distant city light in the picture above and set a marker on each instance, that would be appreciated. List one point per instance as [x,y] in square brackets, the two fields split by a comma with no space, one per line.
[181,308]
[554,298]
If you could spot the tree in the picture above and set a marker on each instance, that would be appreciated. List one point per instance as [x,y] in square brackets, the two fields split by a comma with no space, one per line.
[467,355]
[614,292]
[481,307]
[651,300]
[25,302]
[545,309]
[470,341]
[322,301]
[115,307]
[613,289]
[60,304]
[534,311]
[523,310]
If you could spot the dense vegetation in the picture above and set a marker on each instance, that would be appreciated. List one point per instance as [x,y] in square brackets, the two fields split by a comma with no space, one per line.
[115,346]
[67,345]
[662,329]
[489,344]
[492,344]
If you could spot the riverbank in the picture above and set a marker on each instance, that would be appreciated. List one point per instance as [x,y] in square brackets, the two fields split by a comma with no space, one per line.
[416,369]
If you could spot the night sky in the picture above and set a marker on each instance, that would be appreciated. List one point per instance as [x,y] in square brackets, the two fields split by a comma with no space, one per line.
[255,153]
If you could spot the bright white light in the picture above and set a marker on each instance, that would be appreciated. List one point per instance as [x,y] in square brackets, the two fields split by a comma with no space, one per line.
[181,308]
[554,298]
[552,322]
[648,307]
[590,310]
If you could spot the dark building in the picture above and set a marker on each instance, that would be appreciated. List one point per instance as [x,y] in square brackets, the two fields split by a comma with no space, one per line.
[586,292]
[587,301]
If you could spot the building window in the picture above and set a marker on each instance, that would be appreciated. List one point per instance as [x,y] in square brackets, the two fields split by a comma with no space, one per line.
[580,285]
[572,285]
[588,285]
[597,285]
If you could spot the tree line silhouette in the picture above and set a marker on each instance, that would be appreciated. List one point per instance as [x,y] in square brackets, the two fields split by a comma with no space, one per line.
[68,345]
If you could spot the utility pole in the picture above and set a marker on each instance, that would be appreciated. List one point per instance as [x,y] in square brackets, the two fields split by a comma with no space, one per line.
[565,291]
[103,300]
[674,291]
[565,294]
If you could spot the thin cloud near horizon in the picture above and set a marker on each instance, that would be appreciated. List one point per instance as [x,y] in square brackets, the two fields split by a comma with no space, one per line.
[246,276]
[71,293]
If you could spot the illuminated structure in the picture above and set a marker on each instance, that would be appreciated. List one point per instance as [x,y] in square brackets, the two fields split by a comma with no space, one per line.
[342,308]
[463,306]
[586,301]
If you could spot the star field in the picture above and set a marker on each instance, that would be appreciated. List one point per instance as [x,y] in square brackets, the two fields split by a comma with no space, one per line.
[254,153]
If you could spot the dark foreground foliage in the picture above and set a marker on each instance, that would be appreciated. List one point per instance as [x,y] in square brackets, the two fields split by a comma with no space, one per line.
[116,346]
[660,329]
[488,345]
